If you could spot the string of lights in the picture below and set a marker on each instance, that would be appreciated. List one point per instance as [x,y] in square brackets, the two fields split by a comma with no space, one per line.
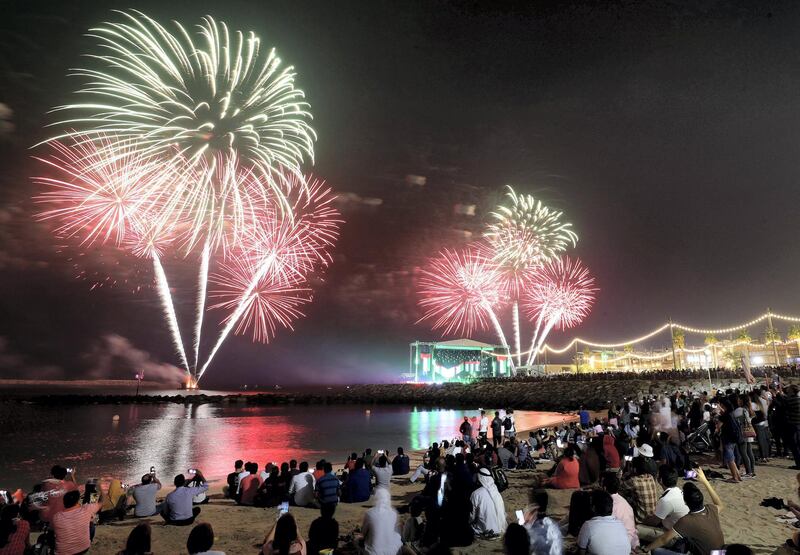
[690,329]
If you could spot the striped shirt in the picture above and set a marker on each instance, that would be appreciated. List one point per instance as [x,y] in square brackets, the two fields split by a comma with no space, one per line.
[18,540]
[327,489]
[71,527]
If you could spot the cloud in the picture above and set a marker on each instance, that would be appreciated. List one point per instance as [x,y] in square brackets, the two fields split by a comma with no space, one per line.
[114,357]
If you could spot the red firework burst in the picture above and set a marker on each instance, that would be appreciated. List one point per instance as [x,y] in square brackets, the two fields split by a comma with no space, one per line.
[562,291]
[457,290]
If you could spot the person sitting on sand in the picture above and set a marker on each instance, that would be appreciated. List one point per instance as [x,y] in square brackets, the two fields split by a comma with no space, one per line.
[516,541]
[319,470]
[145,496]
[641,490]
[324,530]
[232,486]
[400,463]
[506,456]
[177,507]
[284,539]
[622,510]
[670,507]
[327,488]
[60,482]
[543,532]
[14,532]
[379,535]
[250,485]
[488,516]
[358,483]
[139,541]
[241,476]
[566,474]
[382,472]
[301,489]
[72,525]
[701,527]
[603,534]
[114,503]
[201,540]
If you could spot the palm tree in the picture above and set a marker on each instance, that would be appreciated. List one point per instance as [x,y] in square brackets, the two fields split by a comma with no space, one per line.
[745,339]
[711,340]
[772,337]
[678,343]
[794,335]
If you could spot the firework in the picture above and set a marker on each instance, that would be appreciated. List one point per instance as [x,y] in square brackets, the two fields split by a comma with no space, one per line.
[207,105]
[459,293]
[561,296]
[524,235]
[92,199]
[274,301]
[182,139]
[273,260]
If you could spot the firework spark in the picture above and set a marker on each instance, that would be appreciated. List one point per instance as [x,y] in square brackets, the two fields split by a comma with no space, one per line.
[208,105]
[561,296]
[459,291]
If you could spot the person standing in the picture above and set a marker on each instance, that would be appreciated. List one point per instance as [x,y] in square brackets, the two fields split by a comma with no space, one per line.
[497,429]
[509,426]
[483,428]
[466,431]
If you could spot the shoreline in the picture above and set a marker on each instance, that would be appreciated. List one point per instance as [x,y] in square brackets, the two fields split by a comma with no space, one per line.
[551,395]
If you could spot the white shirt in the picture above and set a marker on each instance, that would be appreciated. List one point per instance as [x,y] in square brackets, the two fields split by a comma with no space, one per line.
[383,476]
[484,515]
[484,426]
[671,507]
[302,486]
[604,535]
[380,532]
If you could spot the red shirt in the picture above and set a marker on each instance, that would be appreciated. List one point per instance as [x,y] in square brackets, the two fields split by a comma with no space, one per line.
[566,476]
[18,541]
[610,452]
[249,485]
[71,527]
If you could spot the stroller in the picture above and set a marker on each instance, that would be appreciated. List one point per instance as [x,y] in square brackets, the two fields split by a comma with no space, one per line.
[699,441]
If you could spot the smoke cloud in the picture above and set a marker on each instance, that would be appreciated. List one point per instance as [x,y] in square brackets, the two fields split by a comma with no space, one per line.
[114,357]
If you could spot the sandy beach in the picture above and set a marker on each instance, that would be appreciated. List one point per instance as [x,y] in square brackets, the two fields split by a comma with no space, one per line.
[242,529]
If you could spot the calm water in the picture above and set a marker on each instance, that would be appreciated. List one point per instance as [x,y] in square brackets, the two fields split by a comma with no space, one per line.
[174,438]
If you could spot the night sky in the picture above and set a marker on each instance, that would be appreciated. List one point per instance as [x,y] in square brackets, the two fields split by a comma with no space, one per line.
[669,135]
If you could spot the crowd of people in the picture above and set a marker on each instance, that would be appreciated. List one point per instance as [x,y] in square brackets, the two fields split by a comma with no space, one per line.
[625,468]
[652,375]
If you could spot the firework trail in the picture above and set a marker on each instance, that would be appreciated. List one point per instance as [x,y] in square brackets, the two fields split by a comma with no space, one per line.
[169,310]
[524,235]
[201,302]
[561,295]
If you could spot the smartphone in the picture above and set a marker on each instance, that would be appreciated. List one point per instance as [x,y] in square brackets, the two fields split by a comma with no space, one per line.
[717,552]
[125,486]
[629,458]
[283,508]
[520,517]
[70,470]
[690,475]
[381,451]
[152,470]
[192,471]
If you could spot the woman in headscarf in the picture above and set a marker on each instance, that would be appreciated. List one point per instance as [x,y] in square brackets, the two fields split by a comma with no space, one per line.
[114,503]
[488,515]
[380,527]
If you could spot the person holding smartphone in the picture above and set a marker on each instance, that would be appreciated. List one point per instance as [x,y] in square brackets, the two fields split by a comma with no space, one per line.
[145,495]
[700,527]
[177,507]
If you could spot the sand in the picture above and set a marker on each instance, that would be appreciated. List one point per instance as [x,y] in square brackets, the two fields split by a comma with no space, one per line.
[242,529]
